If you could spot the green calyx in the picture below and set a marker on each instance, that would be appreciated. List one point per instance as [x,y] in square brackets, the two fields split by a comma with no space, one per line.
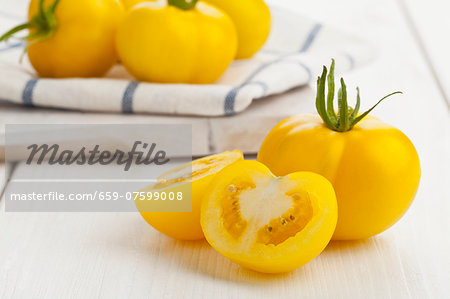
[183,4]
[346,117]
[43,25]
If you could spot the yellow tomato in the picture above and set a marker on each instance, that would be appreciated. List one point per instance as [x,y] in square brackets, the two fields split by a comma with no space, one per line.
[130,3]
[373,167]
[195,176]
[252,20]
[178,42]
[266,223]
[71,38]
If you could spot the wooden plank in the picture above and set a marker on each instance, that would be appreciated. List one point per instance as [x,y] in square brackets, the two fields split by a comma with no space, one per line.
[2,177]
[3,180]
[429,22]
[118,254]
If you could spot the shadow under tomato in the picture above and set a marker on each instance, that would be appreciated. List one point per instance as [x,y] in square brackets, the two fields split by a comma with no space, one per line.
[356,252]
[200,258]
[355,245]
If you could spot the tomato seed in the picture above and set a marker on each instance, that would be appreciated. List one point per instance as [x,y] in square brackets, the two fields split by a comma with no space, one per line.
[296,197]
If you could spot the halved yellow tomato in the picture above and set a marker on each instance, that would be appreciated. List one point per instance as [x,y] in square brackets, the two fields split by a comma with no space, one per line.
[196,175]
[266,223]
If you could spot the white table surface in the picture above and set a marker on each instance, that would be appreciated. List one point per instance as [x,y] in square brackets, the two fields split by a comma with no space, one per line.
[115,255]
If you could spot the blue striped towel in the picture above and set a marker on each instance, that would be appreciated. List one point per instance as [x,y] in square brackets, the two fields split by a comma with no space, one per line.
[293,56]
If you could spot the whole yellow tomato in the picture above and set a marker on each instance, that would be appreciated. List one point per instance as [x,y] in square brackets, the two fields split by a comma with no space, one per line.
[130,3]
[71,38]
[266,223]
[373,167]
[194,177]
[252,20]
[176,42]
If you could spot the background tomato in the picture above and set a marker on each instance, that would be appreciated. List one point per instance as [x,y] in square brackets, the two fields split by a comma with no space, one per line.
[252,20]
[80,42]
[159,42]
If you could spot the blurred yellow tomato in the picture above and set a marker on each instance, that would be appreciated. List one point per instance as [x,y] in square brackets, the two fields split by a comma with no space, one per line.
[75,39]
[252,20]
[130,3]
[176,42]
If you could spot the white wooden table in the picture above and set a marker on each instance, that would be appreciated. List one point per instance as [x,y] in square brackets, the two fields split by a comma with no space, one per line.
[109,255]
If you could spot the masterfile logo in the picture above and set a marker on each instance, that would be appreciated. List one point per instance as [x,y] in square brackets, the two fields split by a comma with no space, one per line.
[95,168]
[52,154]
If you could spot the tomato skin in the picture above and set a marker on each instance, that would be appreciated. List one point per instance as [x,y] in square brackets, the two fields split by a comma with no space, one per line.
[252,20]
[162,43]
[82,44]
[250,17]
[181,225]
[186,225]
[128,4]
[374,168]
[292,253]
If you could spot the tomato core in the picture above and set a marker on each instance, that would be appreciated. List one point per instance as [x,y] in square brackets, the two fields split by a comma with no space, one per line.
[290,223]
[296,208]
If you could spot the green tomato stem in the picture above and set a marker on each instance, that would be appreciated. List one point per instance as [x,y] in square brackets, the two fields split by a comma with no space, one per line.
[346,117]
[183,4]
[330,97]
[43,23]
[14,30]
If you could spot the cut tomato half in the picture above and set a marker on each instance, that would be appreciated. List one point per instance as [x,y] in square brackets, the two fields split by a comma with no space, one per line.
[266,223]
[196,175]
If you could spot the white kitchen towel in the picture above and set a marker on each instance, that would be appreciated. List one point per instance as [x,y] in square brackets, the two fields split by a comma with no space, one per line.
[293,56]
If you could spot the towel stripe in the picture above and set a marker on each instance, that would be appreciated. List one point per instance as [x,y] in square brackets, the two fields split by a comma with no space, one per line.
[12,46]
[350,59]
[127,99]
[27,94]
[230,98]
[307,69]
[310,38]
[263,86]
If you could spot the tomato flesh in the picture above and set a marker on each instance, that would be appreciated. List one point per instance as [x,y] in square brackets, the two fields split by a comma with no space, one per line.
[289,224]
[266,223]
